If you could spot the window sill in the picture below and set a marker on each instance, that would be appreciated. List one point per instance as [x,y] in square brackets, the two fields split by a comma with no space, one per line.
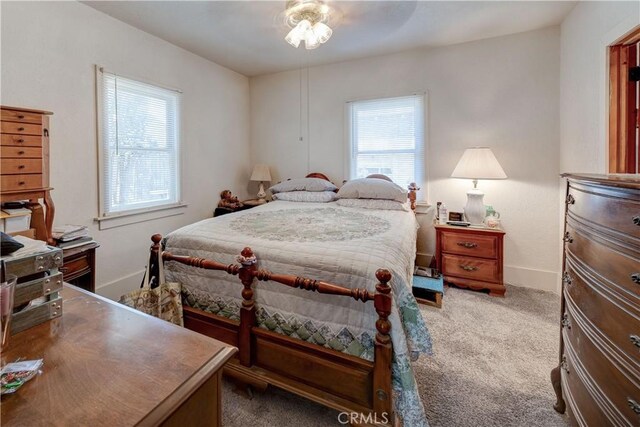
[134,217]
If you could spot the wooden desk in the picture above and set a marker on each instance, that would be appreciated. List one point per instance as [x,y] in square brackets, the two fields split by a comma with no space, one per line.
[108,365]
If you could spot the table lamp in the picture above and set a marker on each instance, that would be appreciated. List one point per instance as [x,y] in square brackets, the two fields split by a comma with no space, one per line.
[261,174]
[477,163]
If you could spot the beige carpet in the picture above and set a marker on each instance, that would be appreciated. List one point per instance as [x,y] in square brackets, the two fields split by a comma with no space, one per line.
[490,367]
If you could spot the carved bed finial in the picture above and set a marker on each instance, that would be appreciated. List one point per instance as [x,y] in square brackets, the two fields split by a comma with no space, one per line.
[382,302]
[413,188]
[246,257]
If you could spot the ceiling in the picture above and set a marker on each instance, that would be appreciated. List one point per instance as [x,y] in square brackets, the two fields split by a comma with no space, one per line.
[248,36]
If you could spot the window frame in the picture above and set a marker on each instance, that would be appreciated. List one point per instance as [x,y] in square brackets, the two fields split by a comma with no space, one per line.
[150,212]
[421,181]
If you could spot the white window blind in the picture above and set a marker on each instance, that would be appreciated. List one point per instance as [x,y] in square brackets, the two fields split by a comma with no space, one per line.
[387,136]
[139,145]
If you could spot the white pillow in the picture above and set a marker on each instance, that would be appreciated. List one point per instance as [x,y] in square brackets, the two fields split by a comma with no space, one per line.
[303,184]
[372,188]
[388,205]
[306,196]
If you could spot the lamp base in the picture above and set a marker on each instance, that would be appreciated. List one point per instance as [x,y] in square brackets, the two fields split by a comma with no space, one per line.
[475,211]
[261,193]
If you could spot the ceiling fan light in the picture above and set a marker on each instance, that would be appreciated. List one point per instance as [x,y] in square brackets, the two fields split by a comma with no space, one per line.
[322,31]
[311,39]
[298,32]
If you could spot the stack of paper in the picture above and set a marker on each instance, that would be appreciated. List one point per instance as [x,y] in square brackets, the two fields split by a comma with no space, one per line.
[67,233]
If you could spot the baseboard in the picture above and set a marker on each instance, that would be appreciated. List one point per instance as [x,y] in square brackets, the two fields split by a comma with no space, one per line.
[115,289]
[530,278]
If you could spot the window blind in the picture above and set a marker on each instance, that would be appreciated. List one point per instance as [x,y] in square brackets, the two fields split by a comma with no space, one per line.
[140,145]
[387,136]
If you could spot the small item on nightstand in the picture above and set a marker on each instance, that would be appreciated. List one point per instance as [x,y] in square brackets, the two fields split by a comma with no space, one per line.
[228,200]
[492,220]
[442,214]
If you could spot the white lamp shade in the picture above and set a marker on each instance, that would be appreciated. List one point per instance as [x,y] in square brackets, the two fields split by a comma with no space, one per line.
[261,173]
[478,163]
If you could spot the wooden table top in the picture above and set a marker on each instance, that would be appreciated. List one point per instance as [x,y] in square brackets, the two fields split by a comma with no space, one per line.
[106,364]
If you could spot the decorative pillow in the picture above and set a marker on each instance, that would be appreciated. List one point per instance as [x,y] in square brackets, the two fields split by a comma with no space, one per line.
[306,196]
[9,245]
[387,205]
[372,188]
[303,184]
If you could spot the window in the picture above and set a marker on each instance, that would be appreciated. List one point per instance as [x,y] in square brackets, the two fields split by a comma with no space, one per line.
[624,105]
[139,145]
[386,136]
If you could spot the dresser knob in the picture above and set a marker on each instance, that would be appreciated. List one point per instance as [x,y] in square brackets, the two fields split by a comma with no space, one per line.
[20,166]
[635,340]
[468,267]
[635,278]
[48,290]
[21,183]
[20,116]
[566,278]
[570,200]
[636,220]
[633,405]
[20,129]
[565,321]
[567,237]
[468,245]
[20,153]
[20,141]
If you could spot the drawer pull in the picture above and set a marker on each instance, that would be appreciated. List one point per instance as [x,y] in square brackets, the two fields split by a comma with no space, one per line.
[20,141]
[20,116]
[64,269]
[566,278]
[20,166]
[468,245]
[20,129]
[20,153]
[633,405]
[635,340]
[636,220]
[635,278]
[570,200]
[564,365]
[567,237]
[47,291]
[21,183]
[468,267]
[565,321]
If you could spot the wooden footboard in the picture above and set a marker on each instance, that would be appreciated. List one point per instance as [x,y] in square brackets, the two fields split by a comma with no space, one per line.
[329,377]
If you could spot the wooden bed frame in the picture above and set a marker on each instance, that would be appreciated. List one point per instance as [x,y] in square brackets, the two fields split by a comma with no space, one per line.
[329,377]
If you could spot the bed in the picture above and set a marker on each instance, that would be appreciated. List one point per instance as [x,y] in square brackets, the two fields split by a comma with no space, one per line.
[343,352]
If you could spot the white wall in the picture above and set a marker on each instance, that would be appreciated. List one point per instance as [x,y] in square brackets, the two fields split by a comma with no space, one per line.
[585,35]
[48,54]
[501,92]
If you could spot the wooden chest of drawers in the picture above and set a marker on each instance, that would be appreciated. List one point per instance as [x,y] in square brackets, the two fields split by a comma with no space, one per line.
[598,378]
[24,164]
[471,257]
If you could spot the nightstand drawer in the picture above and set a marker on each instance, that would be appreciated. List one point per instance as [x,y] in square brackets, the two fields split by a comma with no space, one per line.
[76,267]
[471,268]
[470,244]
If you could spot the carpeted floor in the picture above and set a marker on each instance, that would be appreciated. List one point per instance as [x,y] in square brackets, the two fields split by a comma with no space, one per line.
[490,367]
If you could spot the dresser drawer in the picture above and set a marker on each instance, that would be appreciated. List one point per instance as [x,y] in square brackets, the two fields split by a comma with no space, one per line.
[17,152]
[615,209]
[618,264]
[21,116]
[582,404]
[608,378]
[20,182]
[470,244]
[21,128]
[76,267]
[470,268]
[28,291]
[20,166]
[21,140]
[618,319]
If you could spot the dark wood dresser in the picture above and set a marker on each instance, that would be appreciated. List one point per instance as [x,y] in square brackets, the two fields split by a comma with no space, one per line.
[108,365]
[598,377]
[471,257]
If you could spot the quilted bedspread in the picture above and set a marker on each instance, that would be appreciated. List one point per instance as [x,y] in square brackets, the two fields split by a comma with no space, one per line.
[320,241]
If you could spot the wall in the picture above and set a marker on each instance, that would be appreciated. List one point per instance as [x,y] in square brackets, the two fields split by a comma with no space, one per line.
[585,35]
[500,92]
[48,54]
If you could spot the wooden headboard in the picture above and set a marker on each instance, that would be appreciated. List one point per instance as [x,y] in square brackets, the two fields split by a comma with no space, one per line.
[318,175]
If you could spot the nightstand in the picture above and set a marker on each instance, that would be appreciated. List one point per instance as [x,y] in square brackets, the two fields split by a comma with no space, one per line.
[254,202]
[79,266]
[471,257]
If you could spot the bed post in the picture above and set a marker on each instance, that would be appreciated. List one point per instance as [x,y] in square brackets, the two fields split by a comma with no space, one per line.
[382,398]
[413,188]
[154,259]
[248,310]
